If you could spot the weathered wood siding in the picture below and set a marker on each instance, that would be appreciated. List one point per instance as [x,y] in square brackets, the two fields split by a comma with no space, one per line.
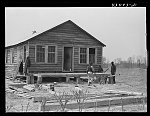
[11,67]
[14,55]
[45,67]
[67,34]
[82,67]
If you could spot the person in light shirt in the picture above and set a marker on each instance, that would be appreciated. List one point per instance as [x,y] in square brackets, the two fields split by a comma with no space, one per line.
[90,71]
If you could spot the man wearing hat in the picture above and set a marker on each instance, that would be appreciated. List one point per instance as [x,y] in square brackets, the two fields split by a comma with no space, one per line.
[113,72]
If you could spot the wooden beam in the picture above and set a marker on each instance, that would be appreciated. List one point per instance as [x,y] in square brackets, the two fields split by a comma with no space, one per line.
[68,74]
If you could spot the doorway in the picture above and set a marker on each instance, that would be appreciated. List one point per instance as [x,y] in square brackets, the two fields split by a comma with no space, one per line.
[68,58]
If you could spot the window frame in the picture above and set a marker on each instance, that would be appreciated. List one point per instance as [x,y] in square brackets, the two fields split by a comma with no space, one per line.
[13,56]
[87,55]
[7,58]
[46,54]
[52,53]
[82,53]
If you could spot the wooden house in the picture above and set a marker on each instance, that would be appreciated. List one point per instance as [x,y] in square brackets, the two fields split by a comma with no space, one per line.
[64,48]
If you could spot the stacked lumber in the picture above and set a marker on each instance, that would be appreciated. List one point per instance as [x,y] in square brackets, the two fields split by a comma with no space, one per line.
[124,92]
[29,87]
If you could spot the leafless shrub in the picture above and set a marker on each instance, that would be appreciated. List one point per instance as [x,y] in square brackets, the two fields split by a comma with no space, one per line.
[63,99]
[8,107]
[80,97]
[95,105]
[43,104]
[122,105]
[143,102]
[109,103]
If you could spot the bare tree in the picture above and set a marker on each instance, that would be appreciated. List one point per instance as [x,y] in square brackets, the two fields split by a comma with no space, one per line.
[80,97]
[119,60]
[139,61]
[129,60]
[63,99]
[145,61]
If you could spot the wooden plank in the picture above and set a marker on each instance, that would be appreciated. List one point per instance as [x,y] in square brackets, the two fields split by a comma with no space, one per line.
[124,92]
[67,74]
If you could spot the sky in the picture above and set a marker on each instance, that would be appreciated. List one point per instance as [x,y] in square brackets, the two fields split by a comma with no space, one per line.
[121,29]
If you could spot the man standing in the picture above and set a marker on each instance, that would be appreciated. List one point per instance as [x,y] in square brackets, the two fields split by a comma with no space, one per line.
[21,68]
[113,72]
[27,65]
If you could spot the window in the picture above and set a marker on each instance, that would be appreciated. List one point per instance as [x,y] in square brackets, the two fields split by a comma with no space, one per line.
[83,55]
[7,56]
[92,55]
[51,54]
[13,56]
[45,54]
[40,53]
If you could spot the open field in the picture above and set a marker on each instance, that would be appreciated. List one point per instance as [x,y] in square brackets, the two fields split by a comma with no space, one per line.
[132,80]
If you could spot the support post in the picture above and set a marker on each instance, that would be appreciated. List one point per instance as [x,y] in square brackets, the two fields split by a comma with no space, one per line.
[67,79]
[78,80]
[39,80]
[28,81]
[32,79]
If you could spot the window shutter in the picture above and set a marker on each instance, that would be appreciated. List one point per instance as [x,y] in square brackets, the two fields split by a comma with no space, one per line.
[32,53]
[56,54]
[79,55]
[11,50]
[95,55]
[87,55]
[46,54]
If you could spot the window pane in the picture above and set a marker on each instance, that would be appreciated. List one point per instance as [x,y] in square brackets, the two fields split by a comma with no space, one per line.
[8,56]
[83,57]
[40,53]
[51,48]
[13,56]
[82,50]
[51,54]
[51,57]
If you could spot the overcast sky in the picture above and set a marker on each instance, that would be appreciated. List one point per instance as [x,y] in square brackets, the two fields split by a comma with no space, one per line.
[122,30]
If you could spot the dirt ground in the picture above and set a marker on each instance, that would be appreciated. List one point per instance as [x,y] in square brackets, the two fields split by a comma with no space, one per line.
[134,80]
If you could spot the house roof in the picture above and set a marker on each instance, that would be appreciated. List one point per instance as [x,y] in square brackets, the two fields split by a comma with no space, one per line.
[35,35]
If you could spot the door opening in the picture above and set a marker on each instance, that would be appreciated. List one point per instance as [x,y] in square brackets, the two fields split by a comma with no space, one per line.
[67,64]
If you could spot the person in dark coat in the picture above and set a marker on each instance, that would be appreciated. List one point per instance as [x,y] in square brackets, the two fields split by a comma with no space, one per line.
[113,72]
[21,68]
[100,69]
[27,65]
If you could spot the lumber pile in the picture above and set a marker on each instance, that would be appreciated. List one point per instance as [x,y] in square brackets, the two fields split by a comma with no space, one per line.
[29,87]
[124,92]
